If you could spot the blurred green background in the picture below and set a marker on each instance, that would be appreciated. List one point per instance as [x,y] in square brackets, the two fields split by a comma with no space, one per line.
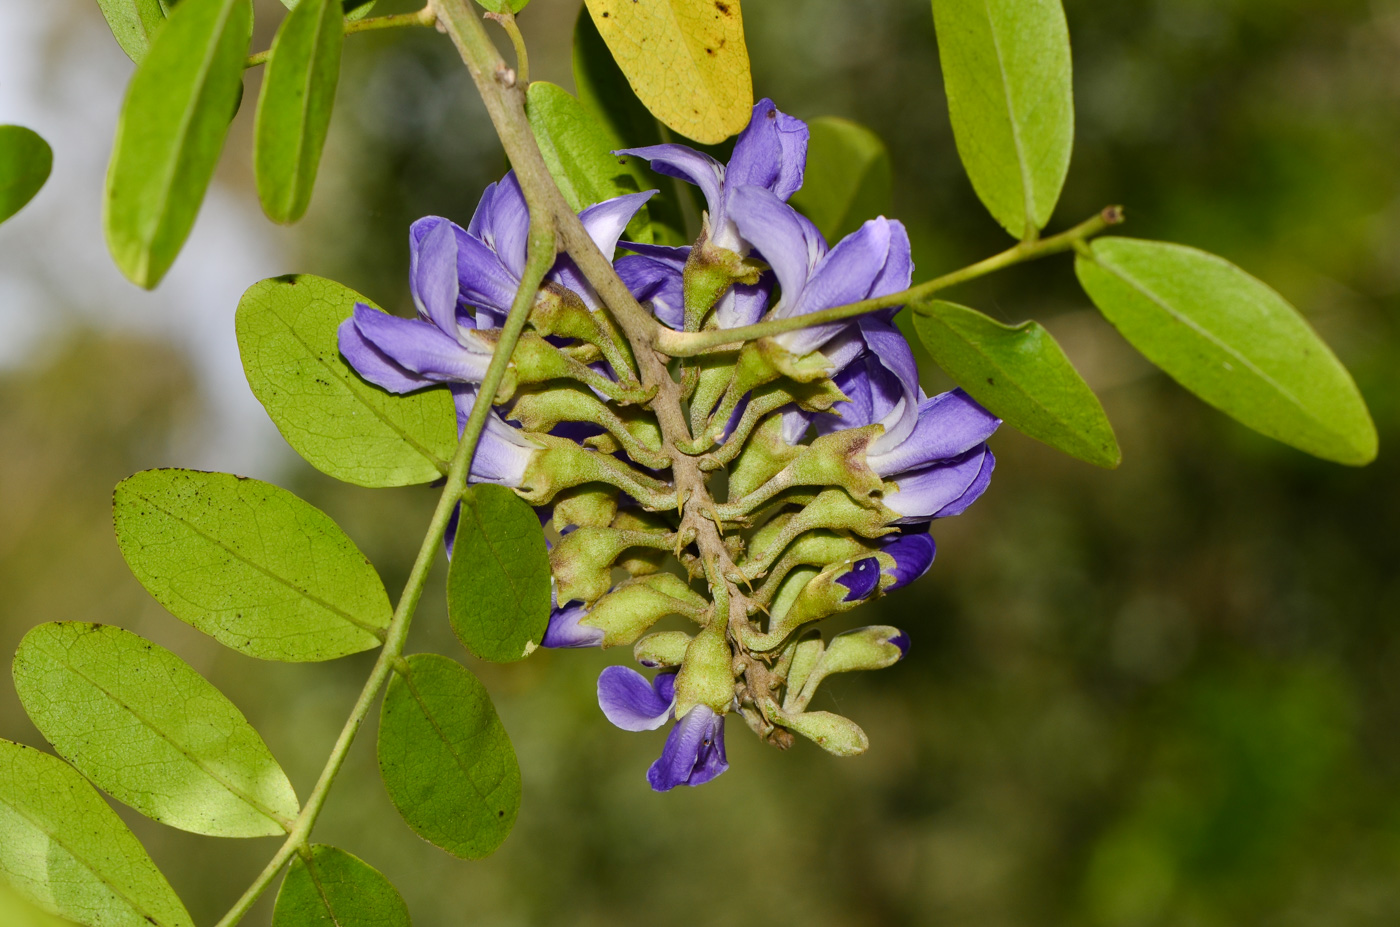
[1161,695]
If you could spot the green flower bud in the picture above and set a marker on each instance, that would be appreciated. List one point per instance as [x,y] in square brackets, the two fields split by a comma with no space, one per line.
[815,548]
[585,507]
[707,672]
[541,410]
[637,604]
[763,457]
[642,561]
[582,560]
[820,597]
[709,272]
[832,509]
[537,361]
[663,648]
[860,649]
[563,465]
[836,459]
[805,655]
[833,733]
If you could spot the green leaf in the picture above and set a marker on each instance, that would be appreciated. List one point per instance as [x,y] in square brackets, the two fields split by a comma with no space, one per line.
[1006,71]
[335,889]
[1019,374]
[17,911]
[171,131]
[607,97]
[503,6]
[1232,341]
[63,848]
[686,60]
[250,564]
[25,162]
[294,107]
[353,9]
[847,179]
[343,426]
[149,730]
[498,583]
[446,760]
[577,149]
[134,24]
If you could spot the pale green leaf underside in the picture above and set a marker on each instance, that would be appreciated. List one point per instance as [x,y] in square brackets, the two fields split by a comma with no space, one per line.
[250,564]
[445,758]
[1006,71]
[498,582]
[172,128]
[18,911]
[62,847]
[336,889]
[150,731]
[1232,341]
[25,162]
[342,425]
[134,24]
[294,107]
[848,177]
[1020,374]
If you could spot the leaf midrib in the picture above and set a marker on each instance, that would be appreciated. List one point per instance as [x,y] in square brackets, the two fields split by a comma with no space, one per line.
[285,824]
[375,630]
[1027,194]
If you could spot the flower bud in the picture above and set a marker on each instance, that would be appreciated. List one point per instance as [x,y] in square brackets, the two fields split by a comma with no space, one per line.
[662,648]
[864,649]
[805,655]
[562,464]
[637,604]
[707,673]
[585,507]
[582,560]
[542,409]
[833,733]
[831,591]
[763,457]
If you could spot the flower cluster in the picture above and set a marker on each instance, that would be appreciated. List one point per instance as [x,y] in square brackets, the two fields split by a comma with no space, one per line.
[835,461]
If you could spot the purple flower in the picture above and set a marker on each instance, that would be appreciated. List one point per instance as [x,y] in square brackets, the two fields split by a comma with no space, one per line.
[694,750]
[913,555]
[655,274]
[770,153]
[872,261]
[862,579]
[564,629]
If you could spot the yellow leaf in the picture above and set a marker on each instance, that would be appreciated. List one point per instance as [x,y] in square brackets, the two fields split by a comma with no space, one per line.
[685,59]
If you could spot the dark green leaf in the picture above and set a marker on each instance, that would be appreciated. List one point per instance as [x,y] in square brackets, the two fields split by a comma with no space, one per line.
[62,847]
[1006,70]
[25,162]
[294,107]
[1232,341]
[134,24]
[342,425]
[250,564]
[446,760]
[171,131]
[149,730]
[353,9]
[331,888]
[498,581]
[1020,374]
[847,179]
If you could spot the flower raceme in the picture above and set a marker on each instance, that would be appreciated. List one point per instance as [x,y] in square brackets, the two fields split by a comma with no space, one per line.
[836,461]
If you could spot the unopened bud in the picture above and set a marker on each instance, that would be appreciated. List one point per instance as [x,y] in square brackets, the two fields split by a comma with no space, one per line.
[822,595]
[661,649]
[707,674]
[582,560]
[838,459]
[585,507]
[805,655]
[831,732]
[633,607]
[763,457]
[865,649]
[563,465]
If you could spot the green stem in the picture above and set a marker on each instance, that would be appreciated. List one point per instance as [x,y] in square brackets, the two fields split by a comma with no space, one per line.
[540,257]
[692,344]
[522,60]
[423,17]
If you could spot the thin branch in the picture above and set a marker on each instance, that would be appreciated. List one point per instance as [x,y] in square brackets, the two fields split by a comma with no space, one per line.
[423,17]
[693,344]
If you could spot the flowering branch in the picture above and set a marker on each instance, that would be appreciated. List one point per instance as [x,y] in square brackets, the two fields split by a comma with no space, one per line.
[693,344]
[540,257]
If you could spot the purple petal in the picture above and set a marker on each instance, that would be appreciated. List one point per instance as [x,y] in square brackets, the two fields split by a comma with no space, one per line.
[449,536]
[485,280]
[564,630]
[844,276]
[502,222]
[658,282]
[795,424]
[421,347]
[373,364]
[687,164]
[913,555]
[432,271]
[789,245]
[898,270]
[606,221]
[901,640]
[861,579]
[770,153]
[629,701]
[744,304]
[895,377]
[944,489]
[949,424]
[503,453]
[694,751]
